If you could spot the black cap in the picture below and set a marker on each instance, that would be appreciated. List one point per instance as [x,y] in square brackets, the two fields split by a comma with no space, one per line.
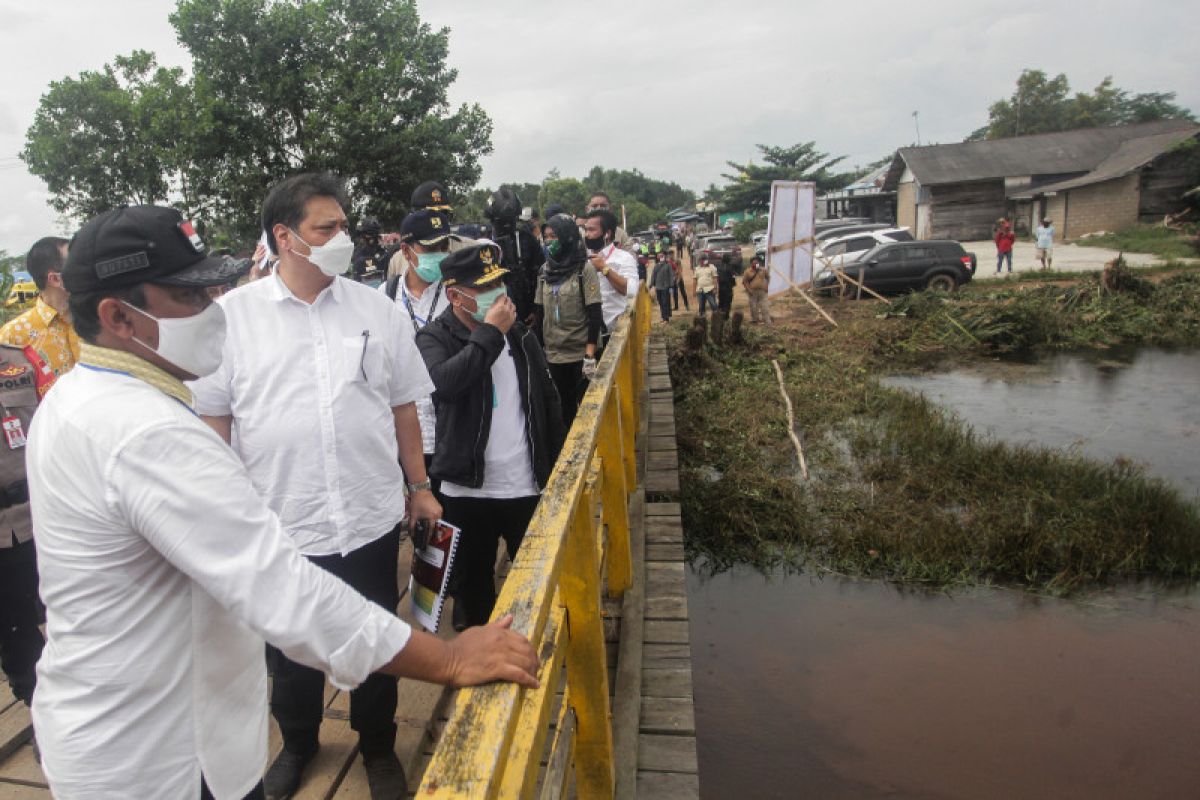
[554,209]
[142,244]
[431,194]
[425,227]
[473,266]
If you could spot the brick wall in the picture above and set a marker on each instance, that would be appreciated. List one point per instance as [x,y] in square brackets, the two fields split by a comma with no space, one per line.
[1107,206]
[1056,210]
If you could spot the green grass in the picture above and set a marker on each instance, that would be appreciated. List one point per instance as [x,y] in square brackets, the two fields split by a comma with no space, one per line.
[903,490]
[1152,239]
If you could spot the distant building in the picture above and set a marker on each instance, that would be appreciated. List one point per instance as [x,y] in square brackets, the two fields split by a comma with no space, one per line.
[1085,181]
[866,198]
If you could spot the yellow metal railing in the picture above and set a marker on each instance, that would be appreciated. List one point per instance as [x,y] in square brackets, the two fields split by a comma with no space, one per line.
[494,742]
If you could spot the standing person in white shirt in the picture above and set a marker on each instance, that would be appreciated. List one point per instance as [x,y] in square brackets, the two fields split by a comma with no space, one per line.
[616,268]
[321,377]
[1045,243]
[162,570]
[417,291]
[600,201]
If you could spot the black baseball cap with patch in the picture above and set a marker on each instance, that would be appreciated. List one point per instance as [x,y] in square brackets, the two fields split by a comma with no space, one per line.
[431,194]
[142,244]
[476,265]
[425,227]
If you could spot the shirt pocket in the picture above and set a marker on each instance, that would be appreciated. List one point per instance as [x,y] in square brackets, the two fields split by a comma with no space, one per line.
[363,361]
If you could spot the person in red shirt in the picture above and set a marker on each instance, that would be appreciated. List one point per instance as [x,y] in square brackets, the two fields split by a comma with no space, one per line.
[1004,244]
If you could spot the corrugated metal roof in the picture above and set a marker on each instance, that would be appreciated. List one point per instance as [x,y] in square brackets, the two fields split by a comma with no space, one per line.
[1044,154]
[1129,157]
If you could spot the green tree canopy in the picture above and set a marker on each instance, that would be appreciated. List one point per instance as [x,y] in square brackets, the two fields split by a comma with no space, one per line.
[1041,104]
[749,186]
[358,87]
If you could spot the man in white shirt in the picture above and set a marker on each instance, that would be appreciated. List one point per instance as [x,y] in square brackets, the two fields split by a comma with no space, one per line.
[1045,243]
[320,376]
[417,290]
[162,570]
[616,268]
[600,201]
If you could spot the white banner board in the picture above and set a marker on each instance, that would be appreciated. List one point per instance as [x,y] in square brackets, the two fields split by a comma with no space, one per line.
[789,234]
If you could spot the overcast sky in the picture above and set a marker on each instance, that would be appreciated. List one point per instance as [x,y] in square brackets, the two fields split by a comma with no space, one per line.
[672,88]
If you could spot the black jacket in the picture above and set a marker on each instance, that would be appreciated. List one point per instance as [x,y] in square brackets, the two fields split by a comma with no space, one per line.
[460,361]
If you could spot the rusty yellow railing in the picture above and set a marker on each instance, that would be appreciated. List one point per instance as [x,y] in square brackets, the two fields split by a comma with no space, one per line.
[495,740]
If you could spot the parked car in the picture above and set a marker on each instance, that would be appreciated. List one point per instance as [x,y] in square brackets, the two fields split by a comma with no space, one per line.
[848,249]
[906,266]
[716,246]
[845,230]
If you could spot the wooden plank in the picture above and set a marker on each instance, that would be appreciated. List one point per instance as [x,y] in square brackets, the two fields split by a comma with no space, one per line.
[339,746]
[22,767]
[664,585]
[657,753]
[669,551]
[664,509]
[627,685]
[20,791]
[668,785]
[674,716]
[666,656]
[674,568]
[676,682]
[663,459]
[667,608]
[15,729]
[663,482]
[666,632]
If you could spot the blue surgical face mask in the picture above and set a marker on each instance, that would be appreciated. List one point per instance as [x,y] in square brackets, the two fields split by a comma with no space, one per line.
[485,300]
[429,266]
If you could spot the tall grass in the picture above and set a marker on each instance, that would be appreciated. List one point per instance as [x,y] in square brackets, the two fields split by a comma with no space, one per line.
[1153,239]
[903,489]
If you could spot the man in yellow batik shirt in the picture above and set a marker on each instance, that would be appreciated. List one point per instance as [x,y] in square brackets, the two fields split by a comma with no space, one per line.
[46,327]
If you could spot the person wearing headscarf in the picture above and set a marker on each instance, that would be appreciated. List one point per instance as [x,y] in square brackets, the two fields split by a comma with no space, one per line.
[567,304]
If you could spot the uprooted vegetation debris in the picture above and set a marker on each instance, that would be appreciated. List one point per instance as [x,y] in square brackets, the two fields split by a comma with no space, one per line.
[902,489]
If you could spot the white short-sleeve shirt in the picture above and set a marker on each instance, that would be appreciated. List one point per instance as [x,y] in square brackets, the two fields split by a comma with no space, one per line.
[311,388]
[421,311]
[163,572]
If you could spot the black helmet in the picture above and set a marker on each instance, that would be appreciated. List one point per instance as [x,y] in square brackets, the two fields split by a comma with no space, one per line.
[503,205]
[369,225]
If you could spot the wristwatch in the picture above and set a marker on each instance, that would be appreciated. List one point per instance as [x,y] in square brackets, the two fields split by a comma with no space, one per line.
[419,486]
[607,269]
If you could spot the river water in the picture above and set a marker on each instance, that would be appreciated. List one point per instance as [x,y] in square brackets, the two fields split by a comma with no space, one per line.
[838,688]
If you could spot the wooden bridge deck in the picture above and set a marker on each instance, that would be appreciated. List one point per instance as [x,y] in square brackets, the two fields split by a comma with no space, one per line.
[649,659]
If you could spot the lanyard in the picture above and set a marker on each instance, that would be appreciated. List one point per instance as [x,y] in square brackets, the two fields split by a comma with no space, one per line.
[417,322]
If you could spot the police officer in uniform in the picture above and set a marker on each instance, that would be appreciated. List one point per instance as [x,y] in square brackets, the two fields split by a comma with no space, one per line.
[369,256]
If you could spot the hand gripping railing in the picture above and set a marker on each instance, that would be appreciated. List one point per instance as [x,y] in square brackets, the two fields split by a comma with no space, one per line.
[493,744]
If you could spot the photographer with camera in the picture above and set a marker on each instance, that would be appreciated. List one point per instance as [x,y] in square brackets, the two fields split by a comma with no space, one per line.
[521,252]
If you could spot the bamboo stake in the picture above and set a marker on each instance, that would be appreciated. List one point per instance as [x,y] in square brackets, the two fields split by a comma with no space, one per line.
[800,291]
[791,420]
[862,286]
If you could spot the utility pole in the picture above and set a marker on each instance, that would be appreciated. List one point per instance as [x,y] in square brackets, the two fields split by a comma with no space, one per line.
[917,122]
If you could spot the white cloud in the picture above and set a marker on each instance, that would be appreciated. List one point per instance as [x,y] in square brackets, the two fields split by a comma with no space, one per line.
[675,88]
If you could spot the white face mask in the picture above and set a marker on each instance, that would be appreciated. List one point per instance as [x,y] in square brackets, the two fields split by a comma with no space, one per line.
[333,257]
[194,344]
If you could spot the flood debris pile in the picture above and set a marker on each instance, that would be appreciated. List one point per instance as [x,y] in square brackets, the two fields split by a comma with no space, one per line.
[903,490]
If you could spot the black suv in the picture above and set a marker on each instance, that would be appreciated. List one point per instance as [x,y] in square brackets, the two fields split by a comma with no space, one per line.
[905,266]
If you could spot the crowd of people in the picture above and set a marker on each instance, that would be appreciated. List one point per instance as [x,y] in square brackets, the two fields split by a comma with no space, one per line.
[234,451]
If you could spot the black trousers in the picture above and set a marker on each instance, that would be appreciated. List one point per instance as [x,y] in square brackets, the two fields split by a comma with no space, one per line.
[724,297]
[483,522]
[679,290]
[569,380]
[664,303]
[298,692]
[20,640]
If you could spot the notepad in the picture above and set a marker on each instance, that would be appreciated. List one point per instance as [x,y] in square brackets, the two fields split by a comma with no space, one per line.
[430,578]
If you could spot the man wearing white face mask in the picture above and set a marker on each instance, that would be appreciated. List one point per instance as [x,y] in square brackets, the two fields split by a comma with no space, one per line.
[162,569]
[417,289]
[321,376]
[499,420]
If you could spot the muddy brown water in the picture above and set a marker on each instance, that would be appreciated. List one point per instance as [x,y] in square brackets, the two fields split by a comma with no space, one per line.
[839,688]
[835,688]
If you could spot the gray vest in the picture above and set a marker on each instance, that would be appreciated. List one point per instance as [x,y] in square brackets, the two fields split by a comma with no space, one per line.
[18,399]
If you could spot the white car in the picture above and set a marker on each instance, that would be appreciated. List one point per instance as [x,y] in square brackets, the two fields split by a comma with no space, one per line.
[847,249]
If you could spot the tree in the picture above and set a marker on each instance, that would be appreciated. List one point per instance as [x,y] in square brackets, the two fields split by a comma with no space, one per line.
[1045,105]
[357,87]
[112,137]
[570,193]
[749,186]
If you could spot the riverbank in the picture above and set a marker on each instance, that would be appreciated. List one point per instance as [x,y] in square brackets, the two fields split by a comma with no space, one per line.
[901,489]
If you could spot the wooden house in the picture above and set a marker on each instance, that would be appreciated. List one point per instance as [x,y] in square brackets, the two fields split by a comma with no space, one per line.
[1084,180]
